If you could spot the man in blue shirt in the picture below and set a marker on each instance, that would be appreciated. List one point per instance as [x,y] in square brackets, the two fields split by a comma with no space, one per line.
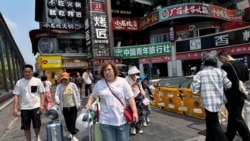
[211,82]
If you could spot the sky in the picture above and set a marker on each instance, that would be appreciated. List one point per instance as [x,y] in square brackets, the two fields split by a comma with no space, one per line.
[20,18]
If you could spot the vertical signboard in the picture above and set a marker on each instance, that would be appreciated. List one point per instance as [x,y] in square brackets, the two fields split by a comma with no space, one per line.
[96,28]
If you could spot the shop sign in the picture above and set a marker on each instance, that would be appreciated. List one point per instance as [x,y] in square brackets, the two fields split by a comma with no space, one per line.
[50,62]
[100,35]
[125,24]
[97,7]
[223,13]
[183,10]
[62,14]
[229,38]
[149,20]
[139,51]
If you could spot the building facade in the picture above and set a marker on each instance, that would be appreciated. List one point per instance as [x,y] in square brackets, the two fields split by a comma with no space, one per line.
[11,61]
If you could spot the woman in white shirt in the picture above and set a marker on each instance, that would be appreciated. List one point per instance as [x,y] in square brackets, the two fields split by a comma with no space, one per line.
[113,125]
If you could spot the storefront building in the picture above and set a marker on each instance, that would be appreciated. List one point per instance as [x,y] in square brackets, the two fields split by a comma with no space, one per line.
[189,29]
[11,61]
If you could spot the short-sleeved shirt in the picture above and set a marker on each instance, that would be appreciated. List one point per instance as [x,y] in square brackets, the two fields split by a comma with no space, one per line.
[111,112]
[29,91]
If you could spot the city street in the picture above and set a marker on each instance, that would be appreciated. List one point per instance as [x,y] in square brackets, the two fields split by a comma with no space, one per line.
[163,126]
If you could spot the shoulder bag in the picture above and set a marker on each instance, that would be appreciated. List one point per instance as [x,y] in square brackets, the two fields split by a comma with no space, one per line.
[128,113]
[242,86]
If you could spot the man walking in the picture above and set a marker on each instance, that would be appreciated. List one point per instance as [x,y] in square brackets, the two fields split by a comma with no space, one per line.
[29,91]
[235,70]
[87,80]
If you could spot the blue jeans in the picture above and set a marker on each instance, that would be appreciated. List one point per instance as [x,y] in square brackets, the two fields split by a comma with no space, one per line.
[147,110]
[115,133]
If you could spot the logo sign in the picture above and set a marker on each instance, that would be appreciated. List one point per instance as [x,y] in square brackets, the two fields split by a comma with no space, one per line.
[50,62]
[143,50]
[195,44]
[45,45]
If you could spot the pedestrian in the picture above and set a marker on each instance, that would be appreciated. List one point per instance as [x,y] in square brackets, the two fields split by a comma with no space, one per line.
[47,93]
[87,80]
[235,70]
[36,74]
[139,95]
[68,97]
[149,90]
[210,82]
[113,125]
[79,83]
[55,78]
[29,94]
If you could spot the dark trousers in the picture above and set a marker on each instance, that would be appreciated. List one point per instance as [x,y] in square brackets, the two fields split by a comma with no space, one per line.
[214,131]
[88,89]
[236,122]
[70,115]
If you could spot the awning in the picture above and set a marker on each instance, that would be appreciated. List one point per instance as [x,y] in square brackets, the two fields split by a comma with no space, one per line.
[75,65]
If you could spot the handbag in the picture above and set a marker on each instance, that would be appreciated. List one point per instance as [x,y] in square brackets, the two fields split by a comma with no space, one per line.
[242,86]
[128,113]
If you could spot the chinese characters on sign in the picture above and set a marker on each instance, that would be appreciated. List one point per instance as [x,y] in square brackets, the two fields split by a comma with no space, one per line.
[125,24]
[143,50]
[100,35]
[96,29]
[62,26]
[63,14]
[223,13]
[221,40]
[149,20]
[183,10]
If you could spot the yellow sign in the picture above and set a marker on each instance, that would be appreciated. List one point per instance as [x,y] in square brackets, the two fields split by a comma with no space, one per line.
[48,62]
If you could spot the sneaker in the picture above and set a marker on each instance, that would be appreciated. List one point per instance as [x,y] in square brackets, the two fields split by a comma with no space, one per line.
[148,120]
[37,138]
[140,131]
[133,131]
[74,139]
[145,124]
[70,136]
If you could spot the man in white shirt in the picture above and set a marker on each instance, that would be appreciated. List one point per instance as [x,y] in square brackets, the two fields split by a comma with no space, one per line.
[87,80]
[29,91]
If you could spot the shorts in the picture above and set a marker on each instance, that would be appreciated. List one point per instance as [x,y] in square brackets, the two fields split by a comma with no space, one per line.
[30,115]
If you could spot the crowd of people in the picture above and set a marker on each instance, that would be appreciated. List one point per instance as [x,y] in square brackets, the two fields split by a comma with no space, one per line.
[33,94]
[217,86]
